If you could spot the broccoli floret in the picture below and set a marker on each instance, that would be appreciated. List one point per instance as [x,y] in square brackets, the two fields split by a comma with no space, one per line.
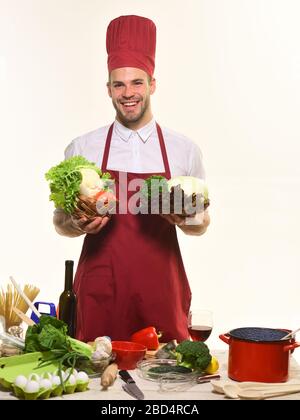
[193,354]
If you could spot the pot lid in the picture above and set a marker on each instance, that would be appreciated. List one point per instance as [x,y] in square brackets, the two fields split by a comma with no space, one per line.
[258,334]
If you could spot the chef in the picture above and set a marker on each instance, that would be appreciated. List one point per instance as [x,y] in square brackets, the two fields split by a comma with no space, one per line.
[130,274]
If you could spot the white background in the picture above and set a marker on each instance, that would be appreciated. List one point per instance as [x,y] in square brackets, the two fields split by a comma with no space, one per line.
[228,76]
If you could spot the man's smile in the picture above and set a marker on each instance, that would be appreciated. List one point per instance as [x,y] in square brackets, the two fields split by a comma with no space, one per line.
[129,105]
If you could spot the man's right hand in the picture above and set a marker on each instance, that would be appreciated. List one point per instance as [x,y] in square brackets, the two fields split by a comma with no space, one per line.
[93,227]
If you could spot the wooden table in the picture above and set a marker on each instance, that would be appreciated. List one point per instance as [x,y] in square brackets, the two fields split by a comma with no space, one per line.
[152,390]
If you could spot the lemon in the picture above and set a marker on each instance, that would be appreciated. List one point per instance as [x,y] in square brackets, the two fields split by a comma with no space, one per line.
[213,366]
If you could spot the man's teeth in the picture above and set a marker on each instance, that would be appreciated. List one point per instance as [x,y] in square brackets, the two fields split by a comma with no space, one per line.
[129,103]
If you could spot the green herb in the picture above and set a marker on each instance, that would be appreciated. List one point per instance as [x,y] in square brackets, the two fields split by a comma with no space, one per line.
[65,180]
[168,369]
[50,336]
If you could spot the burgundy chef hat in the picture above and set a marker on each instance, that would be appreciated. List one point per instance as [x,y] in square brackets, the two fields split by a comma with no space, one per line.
[131,42]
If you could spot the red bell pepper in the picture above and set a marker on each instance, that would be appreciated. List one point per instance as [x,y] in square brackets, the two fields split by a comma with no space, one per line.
[148,337]
[105,196]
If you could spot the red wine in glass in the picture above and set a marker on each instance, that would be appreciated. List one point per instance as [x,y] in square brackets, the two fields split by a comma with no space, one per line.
[199,332]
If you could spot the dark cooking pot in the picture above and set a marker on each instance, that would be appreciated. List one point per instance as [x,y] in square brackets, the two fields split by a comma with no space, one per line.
[258,354]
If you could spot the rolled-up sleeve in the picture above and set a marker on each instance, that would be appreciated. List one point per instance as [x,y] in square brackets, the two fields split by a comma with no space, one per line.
[76,147]
[196,167]
[70,151]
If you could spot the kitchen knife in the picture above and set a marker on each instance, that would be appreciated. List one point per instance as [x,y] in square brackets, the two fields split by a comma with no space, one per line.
[131,387]
[206,378]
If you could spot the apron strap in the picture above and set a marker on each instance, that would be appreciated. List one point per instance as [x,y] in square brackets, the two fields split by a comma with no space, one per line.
[161,143]
[163,152]
[106,149]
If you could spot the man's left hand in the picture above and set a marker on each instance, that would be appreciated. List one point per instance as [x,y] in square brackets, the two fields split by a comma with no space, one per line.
[190,225]
[174,219]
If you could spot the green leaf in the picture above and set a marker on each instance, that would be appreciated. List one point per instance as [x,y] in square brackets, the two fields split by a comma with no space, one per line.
[50,333]
[56,323]
[52,338]
[65,179]
[154,185]
[80,347]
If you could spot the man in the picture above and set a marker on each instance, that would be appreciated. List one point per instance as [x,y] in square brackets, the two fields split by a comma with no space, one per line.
[130,273]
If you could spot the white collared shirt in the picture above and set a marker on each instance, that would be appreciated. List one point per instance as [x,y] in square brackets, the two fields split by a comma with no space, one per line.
[139,151]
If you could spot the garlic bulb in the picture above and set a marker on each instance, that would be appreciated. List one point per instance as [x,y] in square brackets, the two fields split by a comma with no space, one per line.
[103,344]
[99,355]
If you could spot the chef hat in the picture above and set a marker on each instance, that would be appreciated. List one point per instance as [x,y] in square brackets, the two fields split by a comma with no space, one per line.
[131,42]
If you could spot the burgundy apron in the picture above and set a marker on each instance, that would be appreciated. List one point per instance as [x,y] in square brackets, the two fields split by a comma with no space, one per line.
[130,275]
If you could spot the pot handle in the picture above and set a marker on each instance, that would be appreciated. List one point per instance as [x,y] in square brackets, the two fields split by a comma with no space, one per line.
[226,338]
[291,346]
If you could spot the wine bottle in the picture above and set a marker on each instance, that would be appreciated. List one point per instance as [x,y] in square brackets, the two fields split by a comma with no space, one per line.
[67,301]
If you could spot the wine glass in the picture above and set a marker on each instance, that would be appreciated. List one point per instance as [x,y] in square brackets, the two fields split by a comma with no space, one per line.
[200,324]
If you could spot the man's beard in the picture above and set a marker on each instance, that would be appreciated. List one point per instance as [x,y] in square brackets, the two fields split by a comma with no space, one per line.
[134,118]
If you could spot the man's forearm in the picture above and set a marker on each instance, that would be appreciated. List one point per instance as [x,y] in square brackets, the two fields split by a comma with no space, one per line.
[196,225]
[64,225]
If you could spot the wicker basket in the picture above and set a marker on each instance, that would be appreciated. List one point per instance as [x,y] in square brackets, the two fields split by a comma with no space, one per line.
[187,205]
[89,208]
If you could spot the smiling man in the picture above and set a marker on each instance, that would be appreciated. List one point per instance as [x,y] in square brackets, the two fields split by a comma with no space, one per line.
[130,274]
[130,90]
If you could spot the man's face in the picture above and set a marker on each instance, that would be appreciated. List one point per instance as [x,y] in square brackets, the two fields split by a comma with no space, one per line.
[130,90]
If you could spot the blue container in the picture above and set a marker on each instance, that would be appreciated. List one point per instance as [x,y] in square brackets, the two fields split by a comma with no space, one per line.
[44,308]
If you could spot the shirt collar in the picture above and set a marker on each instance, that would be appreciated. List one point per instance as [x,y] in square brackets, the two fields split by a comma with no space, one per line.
[144,133]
